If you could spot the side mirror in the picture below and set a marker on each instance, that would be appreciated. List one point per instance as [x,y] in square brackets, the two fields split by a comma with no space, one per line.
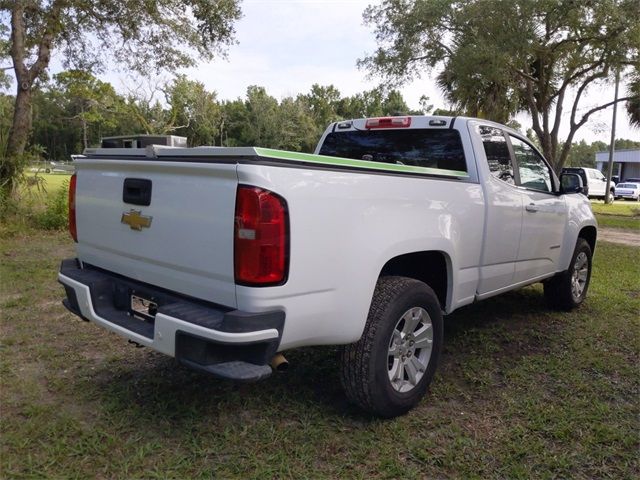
[571,183]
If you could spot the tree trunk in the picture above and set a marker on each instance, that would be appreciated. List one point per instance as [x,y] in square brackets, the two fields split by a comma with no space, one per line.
[84,130]
[25,77]
[18,136]
[19,132]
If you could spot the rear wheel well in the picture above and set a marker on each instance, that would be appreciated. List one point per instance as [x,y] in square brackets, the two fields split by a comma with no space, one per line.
[589,234]
[428,267]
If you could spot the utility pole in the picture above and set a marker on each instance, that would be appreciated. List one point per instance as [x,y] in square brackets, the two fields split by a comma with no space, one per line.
[607,198]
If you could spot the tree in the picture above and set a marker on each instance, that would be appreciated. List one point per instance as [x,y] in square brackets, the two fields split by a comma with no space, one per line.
[624,144]
[139,35]
[72,112]
[633,105]
[372,103]
[232,124]
[583,154]
[499,57]
[144,110]
[297,130]
[85,100]
[323,104]
[6,111]
[261,125]
[194,112]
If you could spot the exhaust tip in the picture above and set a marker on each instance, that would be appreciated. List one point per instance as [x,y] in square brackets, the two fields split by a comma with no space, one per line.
[279,363]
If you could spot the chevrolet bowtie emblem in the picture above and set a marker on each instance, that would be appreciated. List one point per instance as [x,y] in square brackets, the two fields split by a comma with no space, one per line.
[136,220]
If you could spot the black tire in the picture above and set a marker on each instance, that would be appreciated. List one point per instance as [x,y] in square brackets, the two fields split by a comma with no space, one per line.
[365,365]
[558,290]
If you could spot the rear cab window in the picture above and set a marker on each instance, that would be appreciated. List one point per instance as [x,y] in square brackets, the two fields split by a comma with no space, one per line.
[514,161]
[419,147]
[497,153]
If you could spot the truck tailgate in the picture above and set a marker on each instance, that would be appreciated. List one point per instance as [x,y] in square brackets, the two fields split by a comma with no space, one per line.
[181,241]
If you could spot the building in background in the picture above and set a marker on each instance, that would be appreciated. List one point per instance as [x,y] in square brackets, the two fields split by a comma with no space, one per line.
[626,163]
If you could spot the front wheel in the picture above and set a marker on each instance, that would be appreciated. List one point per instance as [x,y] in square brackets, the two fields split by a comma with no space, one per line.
[388,370]
[567,290]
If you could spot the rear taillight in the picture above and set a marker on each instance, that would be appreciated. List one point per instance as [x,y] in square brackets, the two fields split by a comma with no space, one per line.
[73,230]
[261,237]
[388,122]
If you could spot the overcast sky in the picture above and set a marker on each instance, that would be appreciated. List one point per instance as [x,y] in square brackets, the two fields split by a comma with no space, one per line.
[288,45]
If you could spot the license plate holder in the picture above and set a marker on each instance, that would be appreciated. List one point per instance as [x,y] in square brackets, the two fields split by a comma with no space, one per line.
[143,308]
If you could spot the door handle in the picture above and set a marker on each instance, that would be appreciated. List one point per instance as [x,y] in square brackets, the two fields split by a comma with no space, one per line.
[531,208]
[137,191]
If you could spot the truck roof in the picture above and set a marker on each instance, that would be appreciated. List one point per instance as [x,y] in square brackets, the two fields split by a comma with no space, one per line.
[416,121]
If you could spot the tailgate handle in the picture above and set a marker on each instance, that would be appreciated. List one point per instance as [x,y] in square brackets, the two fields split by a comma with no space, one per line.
[137,191]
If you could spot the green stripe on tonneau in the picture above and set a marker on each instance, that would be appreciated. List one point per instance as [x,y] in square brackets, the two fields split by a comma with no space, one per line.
[350,162]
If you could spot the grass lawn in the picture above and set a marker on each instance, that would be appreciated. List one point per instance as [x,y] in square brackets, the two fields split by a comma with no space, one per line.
[623,208]
[521,392]
[614,221]
[620,214]
[49,182]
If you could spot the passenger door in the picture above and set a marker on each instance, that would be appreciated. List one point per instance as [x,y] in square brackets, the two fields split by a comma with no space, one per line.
[544,216]
[504,209]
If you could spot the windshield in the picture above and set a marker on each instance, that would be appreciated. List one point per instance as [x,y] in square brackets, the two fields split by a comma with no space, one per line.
[431,148]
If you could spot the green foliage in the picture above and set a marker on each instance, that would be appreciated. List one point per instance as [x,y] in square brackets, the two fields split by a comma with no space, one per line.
[297,130]
[261,115]
[583,154]
[87,101]
[323,103]
[75,104]
[16,165]
[6,112]
[73,111]
[625,144]
[193,111]
[261,120]
[55,214]
[375,103]
[76,109]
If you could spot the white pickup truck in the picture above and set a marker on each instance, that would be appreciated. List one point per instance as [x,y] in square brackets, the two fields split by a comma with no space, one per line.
[224,257]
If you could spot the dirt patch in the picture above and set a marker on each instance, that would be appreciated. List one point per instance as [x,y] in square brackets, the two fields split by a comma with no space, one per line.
[623,237]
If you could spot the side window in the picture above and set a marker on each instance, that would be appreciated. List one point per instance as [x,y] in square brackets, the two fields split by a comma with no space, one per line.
[534,172]
[497,152]
[593,174]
